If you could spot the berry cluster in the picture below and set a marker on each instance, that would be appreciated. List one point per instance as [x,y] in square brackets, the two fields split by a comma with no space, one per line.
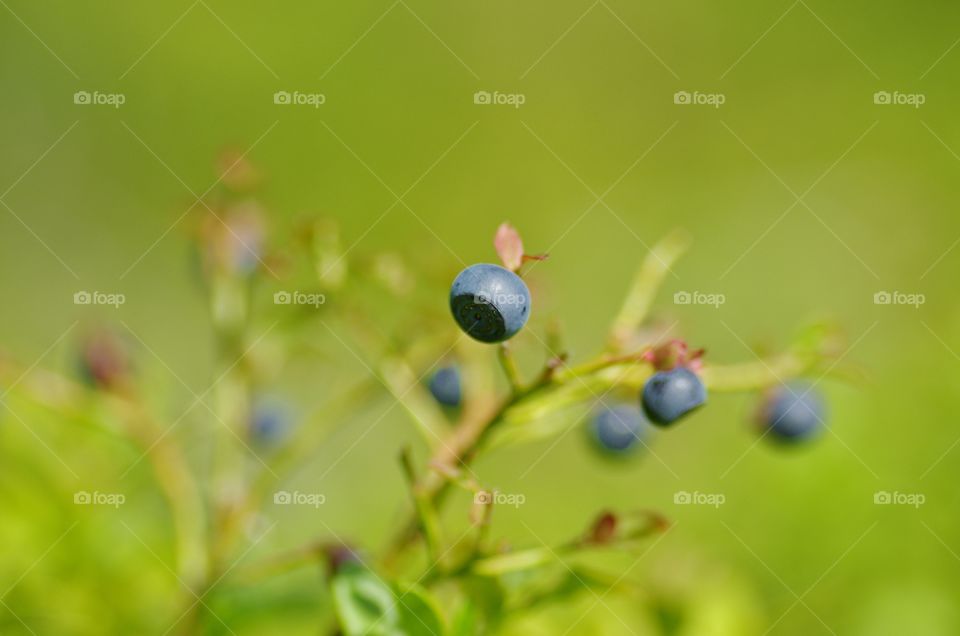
[656,385]
[491,304]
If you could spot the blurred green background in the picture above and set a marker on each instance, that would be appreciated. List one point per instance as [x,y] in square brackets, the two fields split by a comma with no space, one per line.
[799,547]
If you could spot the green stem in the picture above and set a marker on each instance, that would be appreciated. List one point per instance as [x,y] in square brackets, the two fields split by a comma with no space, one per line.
[230,309]
[509,365]
[646,284]
[429,523]
[460,449]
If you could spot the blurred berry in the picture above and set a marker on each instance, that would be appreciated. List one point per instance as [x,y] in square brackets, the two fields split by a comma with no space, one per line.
[104,360]
[269,420]
[445,386]
[619,428]
[341,556]
[793,413]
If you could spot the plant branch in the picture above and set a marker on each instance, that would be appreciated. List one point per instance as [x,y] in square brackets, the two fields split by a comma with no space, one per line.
[509,365]
[538,400]
[428,521]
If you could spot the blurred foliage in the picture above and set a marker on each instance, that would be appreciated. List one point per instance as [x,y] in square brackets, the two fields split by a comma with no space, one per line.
[110,188]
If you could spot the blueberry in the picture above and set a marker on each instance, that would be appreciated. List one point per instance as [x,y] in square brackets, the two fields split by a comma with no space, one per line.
[669,395]
[489,303]
[793,413]
[269,420]
[617,429]
[445,386]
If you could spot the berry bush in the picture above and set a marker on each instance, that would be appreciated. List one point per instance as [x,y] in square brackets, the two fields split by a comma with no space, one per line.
[441,572]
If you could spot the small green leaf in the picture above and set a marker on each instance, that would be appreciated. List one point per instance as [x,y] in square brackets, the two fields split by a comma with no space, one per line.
[366,604]
[419,613]
[465,621]
[487,598]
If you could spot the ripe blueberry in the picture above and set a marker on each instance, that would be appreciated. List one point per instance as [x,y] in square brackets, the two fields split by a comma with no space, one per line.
[792,413]
[445,386]
[669,395]
[489,303]
[618,428]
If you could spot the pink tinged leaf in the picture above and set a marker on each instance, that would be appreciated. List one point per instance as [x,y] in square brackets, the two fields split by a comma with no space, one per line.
[509,246]
[675,353]
[695,360]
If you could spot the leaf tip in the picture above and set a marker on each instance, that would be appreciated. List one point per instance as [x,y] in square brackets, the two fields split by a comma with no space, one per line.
[509,246]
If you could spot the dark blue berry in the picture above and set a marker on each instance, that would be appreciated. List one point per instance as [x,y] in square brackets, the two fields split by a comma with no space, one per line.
[618,428]
[793,413]
[445,386]
[489,303]
[669,395]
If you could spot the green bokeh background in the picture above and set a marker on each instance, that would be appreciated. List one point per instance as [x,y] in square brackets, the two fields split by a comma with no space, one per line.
[399,81]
